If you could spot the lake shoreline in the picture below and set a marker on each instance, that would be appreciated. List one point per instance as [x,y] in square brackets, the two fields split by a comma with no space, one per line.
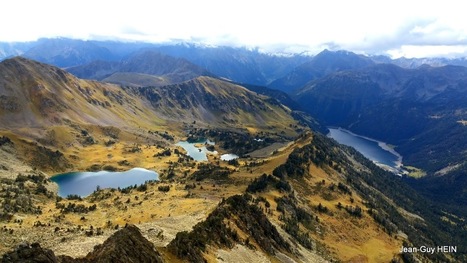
[197,150]
[398,163]
[84,183]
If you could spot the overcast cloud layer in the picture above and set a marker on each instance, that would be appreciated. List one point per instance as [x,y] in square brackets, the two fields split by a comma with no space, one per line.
[395,28]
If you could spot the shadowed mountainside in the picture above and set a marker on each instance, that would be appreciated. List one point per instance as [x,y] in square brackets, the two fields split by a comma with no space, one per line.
[421,111]
[213,100]
[322,64]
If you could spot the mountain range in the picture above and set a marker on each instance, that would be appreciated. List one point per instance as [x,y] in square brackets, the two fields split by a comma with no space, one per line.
[293,195]
[322,64]
[146,68]
[418,110]
[47,90]
[238,64]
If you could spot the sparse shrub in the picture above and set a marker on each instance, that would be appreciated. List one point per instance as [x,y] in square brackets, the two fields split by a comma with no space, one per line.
[5,140]
[210,171]
[163,188]
[124,163]
[344,188]
[94,168]
[74,197]
[109,168]
[321,208]
[190,186]
[109,143]
[354,210]
[165,152]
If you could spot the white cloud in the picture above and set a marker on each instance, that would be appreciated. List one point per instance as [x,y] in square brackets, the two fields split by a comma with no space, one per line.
[359,25]
[411,51]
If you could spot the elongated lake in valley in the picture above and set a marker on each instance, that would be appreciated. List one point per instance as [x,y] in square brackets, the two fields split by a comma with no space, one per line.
[377,151]
[84,183]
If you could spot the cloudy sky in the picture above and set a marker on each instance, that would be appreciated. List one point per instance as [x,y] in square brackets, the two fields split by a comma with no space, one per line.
[397,28]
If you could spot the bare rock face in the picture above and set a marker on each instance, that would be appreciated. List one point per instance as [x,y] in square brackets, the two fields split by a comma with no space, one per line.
[125,246]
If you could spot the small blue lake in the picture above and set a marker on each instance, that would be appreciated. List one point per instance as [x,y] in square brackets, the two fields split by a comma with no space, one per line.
[376,151]
[197,150]
[84,183]
[197,153]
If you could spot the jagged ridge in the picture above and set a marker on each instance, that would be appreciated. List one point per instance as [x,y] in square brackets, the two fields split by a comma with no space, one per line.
[221,229]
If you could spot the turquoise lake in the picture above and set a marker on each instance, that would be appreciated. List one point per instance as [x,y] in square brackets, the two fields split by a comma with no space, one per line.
[84,183]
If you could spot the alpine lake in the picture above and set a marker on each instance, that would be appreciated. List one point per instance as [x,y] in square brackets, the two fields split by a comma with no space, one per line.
[85,183]
[379,152]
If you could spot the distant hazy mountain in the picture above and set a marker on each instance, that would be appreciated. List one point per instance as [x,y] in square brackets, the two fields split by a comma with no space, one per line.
[11,49]
[419,110]
[417,62]
[284,72]
[145,68]
[237,64]
[63,52]
[322,64]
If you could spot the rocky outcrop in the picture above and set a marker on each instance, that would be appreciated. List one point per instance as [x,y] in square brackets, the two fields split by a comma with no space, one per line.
[124,246]
[30,253]
[234,217]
